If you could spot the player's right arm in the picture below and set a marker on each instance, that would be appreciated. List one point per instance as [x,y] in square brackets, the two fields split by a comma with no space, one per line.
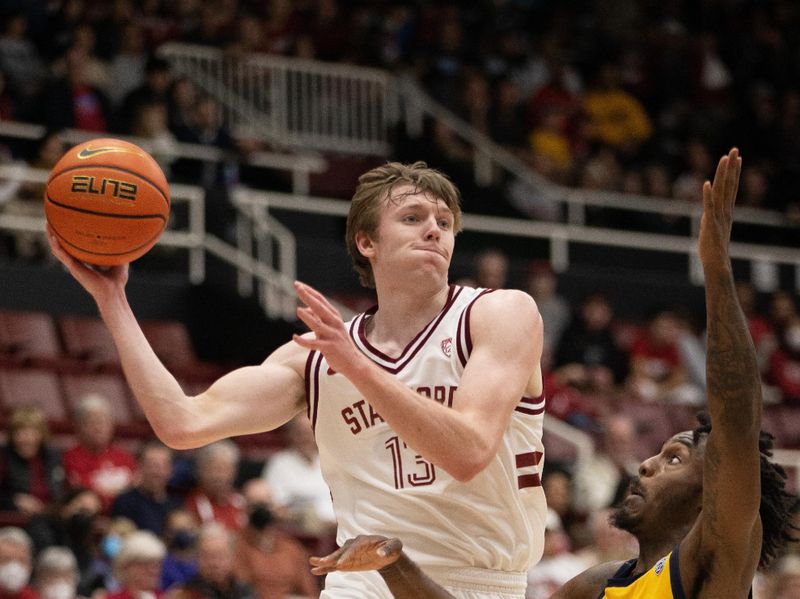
[727,536]
[248,400]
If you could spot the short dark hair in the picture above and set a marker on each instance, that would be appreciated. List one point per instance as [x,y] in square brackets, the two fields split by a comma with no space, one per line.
[777,503]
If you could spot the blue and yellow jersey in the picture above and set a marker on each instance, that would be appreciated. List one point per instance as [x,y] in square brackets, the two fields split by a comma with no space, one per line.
[662,581]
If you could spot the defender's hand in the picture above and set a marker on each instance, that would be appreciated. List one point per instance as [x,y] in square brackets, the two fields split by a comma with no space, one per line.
[365,552]
[718,200]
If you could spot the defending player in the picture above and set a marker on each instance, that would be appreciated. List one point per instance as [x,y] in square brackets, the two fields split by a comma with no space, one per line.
[427,410]
[710,508]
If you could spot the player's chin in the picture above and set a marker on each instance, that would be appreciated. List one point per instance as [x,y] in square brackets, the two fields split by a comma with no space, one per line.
[626,516]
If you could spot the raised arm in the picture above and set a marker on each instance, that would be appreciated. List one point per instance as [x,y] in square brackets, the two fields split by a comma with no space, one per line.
[247,400]
[506,331]
[728,532]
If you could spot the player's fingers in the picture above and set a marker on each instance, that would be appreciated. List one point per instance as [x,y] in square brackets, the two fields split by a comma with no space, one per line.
[308,316]
[390,547]
[708,199]
[719,174]
[304,342]
[314,299]
[731,179]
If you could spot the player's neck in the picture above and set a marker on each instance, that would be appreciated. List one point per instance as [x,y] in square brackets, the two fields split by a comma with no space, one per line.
[403,312]
[652,550]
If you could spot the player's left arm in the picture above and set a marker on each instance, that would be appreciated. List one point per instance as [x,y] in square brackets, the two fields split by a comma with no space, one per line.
[506,331]
[728,531]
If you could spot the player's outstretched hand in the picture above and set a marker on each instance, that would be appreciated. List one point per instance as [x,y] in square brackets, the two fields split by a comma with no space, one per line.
[99,283]
[330,335]
[718,200]
[365,552]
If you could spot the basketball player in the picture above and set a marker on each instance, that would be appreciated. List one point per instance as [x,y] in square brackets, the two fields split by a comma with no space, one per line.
[710,508]
[427,409]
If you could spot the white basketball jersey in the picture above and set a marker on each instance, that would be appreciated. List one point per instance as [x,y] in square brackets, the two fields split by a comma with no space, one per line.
[381,486]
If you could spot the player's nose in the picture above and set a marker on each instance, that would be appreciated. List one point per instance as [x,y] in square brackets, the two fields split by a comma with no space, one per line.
[647,468]
[432,230]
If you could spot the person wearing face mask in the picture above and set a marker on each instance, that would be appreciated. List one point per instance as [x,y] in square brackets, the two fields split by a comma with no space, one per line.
[180,534]
[268,559]
[56,574]
[15,564]
[137,566]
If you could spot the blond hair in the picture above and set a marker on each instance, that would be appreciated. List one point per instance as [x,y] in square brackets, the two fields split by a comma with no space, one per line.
[375,187]
[28,417]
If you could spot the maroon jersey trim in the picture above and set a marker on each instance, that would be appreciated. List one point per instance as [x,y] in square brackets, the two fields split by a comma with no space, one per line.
[464,347]
[414,346]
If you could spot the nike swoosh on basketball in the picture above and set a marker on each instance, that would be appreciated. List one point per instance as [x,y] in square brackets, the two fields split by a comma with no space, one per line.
[89,152]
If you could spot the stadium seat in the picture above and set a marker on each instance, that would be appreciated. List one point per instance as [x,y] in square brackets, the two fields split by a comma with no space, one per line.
[29,338]
[87,339]
[37,387]
[111,386]
[172,343]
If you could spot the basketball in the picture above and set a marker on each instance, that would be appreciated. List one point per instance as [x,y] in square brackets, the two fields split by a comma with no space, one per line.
[107,201]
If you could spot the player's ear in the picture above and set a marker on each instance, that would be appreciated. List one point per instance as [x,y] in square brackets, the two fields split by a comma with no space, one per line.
[365,244]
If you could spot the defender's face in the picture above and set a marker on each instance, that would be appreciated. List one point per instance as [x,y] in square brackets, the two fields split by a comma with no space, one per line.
[668,492]
[415,233]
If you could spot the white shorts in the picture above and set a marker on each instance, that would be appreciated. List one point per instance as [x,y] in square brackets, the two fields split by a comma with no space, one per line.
[463,583]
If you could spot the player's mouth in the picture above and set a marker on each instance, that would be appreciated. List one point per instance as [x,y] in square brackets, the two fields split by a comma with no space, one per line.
[435,250]
[635,488]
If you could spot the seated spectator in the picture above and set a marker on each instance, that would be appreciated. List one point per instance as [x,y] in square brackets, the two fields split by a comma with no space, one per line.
[553,308]
[31,475]
[215,577]
[150,123]
[75,524]
[295,479]
[180,535]
[603,478]
[56,574]
[214,499]
[589,344]
[71,102]
[760,329]
[268,559]
[491,269]
[148,502]
[15,564]
[137,566]
[609,543]
[100,574]
[558,488]
[783,369]
[658,372]
[19,58]
[154,89]
[95,462]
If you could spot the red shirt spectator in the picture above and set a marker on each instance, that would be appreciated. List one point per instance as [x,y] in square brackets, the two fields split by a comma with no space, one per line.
[215,499]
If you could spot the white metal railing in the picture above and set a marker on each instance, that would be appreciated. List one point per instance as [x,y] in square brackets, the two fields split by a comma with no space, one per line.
[294,102]
[558,235]
[190,239]
[301,166]
[790,459]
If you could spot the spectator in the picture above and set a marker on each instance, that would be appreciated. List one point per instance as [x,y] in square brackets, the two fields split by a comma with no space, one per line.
[784,363]
[760,329]
[658,372]
[149,501]
[20,60]
[84,41]
[127,68]
[589,344]
[559,489]
[71,102]
[181,100]
[137,566]
[8,108]
[215,577]
[295,478]
[268,559]
[95,462]
[602,479]
[553,308]
[491,269]
[154,89]
[214,499]
[609,543]
[56,574]
[74,524]
[615,117]
[180,535]
[31,475]
[786,578]
[15,564]
[151,124]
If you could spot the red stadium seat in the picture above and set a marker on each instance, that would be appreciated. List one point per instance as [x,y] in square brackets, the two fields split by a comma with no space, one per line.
[111,386]
[88,340]
[29,337]
[172,343]
[40,388]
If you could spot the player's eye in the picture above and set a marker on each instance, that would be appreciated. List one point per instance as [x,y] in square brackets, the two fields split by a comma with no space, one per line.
[410,218]
[673,459]
[444,223]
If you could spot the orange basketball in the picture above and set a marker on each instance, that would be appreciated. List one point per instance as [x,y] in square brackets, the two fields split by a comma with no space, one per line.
[107,201]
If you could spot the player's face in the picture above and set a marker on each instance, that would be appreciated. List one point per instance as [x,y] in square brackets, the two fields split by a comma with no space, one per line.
[667,494]
[415,234]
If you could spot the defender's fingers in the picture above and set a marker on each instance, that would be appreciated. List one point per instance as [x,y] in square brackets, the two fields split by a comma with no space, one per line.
[708,199]
[307,316]
[390,547]
[314,299]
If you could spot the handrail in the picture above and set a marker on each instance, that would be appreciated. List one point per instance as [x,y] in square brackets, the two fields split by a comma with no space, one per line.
[192,240]
[791,459]
[583,443]
[300,165]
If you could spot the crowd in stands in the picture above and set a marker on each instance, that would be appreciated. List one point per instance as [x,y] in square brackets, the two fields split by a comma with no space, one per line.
[627,96]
